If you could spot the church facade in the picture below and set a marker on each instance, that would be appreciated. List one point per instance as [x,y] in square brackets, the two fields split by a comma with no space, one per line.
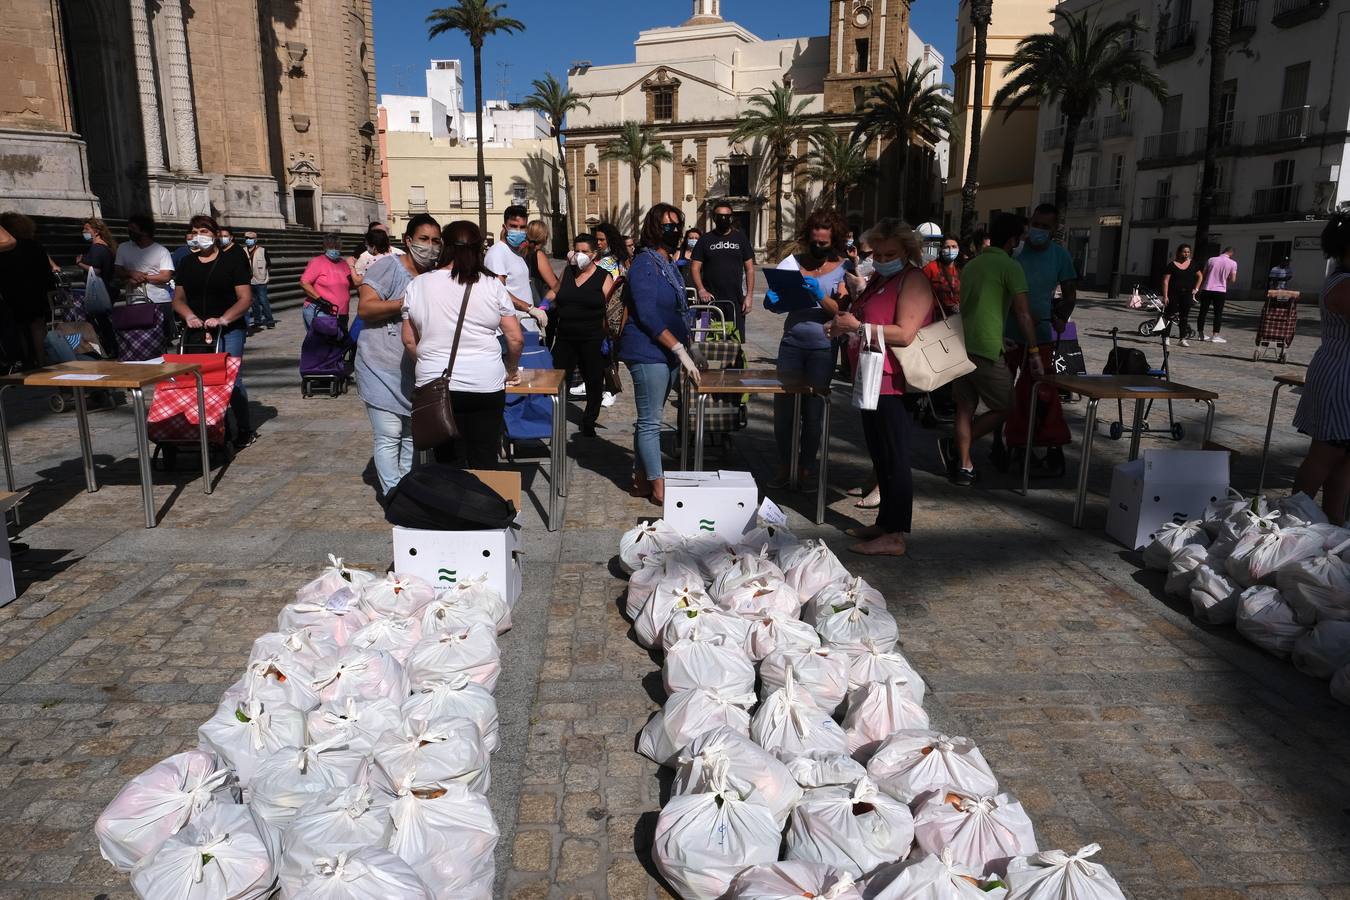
[261,112]
[690,84]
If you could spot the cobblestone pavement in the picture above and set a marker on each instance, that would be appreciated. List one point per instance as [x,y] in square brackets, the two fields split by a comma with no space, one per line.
[1205,768]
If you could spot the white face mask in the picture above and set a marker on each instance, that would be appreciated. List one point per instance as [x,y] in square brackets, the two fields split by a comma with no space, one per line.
[201,242]
[581,260]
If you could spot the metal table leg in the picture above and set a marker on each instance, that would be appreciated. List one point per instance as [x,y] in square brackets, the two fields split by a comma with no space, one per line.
[700,404]
[1265,448]
[1209,429]
[4,441]
[201,425]
[1138,429]
[561,412]
[824,462]
[682,423]
[86,445]
[795,457]
[552,524]
[1031,433]
[143,452]
[1089,432]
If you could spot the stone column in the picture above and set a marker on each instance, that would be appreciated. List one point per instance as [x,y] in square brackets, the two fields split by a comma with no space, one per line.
[179,87]
[145,82]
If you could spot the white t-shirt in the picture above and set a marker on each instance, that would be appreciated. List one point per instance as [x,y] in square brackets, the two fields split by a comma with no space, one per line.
[366,258]
[432,303]
[150,260]
[502,260]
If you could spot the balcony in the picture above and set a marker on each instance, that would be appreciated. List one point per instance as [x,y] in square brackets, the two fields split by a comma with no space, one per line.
[1291,124]
[1222,207]
[1277,200]
[1230,136]
[1157,208]
[1167,145]
[1289,13]
[1094,197]
[1175,42]
[1053,139]
[416,206]
[1117,125]
[1244,19]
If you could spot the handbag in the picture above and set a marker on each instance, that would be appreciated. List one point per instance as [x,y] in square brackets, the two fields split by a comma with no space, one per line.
[871,369]
[433,418]
[937,355]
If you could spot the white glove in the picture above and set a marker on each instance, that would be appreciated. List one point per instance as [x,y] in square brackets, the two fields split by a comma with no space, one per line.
[687,363]
[540,316]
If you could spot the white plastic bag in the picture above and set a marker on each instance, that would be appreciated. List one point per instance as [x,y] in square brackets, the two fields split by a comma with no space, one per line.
[707,661]
[746,564]
[1301,507]
[1170,538]
[709,550]
[363,674]
[156,804]
[839,596]
[642,583]
[932,877]
[1323,651]
[339,617]
[870,369]
[1214,597]
[429,756]
[878,710]
[824,768]
[339,820]
[1256,561]
[1267,621]
[792,880]
[458,611]
[870,663]
[776,537]
[704,840]
[820,673]
[334,578]
[853,628]
[281,678]
[1318,588]
[396,596]
[810,566]
[448,840]
[708,620]
[471,651]
[759,595]
[671,595]
[856,828]
[723,756]
[649,540]
[913,762]
[689,715]
[476,593]
[788,723]
[1057,875]
[983,833]
[222,854]
[395,636]
[773,632]
[291,777]
[305,645]
[244,732]
[356,722]
[1181,569]
[459,697]
[370,873]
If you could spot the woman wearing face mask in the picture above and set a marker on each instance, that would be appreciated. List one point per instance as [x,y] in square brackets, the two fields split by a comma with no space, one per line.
[213,294]
[384,371]
[806,352]
[611,249]
[900,301]
[328,278]
[100,249]
[578,315]
[542,279]
[944,276]
[684,259]
[652,341]
[377,247]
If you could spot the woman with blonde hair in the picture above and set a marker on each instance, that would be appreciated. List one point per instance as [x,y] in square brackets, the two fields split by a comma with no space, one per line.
[899,300]
[542,279]
[101,251]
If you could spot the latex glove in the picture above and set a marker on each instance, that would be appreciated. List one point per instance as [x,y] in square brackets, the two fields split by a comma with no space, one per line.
[687,363]
[771,301]
[1035,364]
[539,316]
[814,287]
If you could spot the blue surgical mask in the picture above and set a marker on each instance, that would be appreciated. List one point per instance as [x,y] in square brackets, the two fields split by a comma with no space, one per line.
[515,237]
[88,236]
[949,254]
[249,242]
[1038,237]
[888,268]
[225,242]
[334,255]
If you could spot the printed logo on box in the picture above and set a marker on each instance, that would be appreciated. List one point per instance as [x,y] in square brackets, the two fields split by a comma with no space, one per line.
[707,524]
[449,576]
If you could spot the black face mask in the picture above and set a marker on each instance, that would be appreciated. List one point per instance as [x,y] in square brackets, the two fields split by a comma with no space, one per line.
[723,222]
[818,250]
[670,236]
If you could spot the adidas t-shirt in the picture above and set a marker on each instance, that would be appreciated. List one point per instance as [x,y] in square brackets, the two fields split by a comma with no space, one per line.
[723,257]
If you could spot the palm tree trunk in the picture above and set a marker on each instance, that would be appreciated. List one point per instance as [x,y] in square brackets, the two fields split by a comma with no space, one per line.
[565,189]
[637,194]
[1071,124]
[902,174]
[778,167]
[478,120]
[979,14]
[1220,37]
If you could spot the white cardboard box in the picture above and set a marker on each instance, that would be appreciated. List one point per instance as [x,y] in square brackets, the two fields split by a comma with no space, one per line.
[444,558]
[8,589]
[1164,486]
[720,502]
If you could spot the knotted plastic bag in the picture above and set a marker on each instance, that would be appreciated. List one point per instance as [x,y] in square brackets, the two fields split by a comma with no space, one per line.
[689,715]
[914,762]
[369,873]
[245,732]
[855,828]
[725,756]
[448,837]
[1058,875]
[339,820]
[223,854]
[704,840]
[471,651]
[983,832]
[792,880]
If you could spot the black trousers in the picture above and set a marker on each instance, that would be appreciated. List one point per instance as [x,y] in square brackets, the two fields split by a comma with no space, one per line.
[886,431]
[1179,311]
[1213,299]
[584,354]
[479,419]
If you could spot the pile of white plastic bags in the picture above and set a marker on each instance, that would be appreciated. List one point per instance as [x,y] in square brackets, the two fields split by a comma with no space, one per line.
[805,764]
[350,761]
[1277,571]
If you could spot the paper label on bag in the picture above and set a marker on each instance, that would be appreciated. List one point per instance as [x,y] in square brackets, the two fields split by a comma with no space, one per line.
[770,514]
[341,600]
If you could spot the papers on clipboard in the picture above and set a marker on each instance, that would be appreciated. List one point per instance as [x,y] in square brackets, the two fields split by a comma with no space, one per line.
[793,294]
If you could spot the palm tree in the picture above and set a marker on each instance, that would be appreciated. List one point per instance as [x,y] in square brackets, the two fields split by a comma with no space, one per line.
[839,161]
[904,109]
[1220,38]
[981,12]
[555,101]
[638,147]
[1074,66]
[476,19]
[776,120]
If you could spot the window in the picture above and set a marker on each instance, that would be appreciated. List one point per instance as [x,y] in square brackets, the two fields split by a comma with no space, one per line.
[862,50]
[1227,112]
[859,97]
[464,192]
[518,194]
[592,185]
[415,117]
[663,104]
[1284,172]
[738,179]
[1117,170]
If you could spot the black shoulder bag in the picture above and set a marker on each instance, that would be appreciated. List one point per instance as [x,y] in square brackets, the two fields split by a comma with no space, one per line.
[433,418]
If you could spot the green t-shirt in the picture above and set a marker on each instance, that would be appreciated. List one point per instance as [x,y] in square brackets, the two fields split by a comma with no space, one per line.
[988,284]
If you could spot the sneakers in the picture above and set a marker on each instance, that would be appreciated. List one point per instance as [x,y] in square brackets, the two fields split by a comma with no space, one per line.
[1202,336]
[606,400]
[577,391]
[963,477]
[1218,340]
[1185,343]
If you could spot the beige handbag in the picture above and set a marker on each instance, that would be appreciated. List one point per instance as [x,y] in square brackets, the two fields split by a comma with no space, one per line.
[937,355]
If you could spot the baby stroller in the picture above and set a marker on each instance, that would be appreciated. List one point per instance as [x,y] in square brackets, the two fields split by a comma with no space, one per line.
[529,417]
[172,421]
[327,354]
[1153,306]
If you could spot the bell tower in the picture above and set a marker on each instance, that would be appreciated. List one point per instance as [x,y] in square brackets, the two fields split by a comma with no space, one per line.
[706,12]
[866,36]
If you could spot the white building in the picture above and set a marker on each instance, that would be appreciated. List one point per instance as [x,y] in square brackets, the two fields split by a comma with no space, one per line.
[1286,132]
[441,112]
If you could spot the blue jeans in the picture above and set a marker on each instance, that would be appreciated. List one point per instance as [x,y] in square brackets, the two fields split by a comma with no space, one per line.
[260,313]
[308,314]
[816,366]
[651,383]
[393,447]
[232,342]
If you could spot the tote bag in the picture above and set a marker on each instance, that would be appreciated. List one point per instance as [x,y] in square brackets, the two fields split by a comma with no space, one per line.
[871,369]
[937,355]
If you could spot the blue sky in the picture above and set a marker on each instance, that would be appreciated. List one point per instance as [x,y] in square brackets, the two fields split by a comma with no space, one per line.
[558,34]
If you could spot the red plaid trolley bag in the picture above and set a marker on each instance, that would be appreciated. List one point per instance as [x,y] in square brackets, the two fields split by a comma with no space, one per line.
[1279,323]
[172,420]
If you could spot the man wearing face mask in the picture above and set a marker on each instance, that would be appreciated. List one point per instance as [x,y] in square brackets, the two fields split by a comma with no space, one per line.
[327,277]
[723,268]
[144,265]
[260,312]
[506,260]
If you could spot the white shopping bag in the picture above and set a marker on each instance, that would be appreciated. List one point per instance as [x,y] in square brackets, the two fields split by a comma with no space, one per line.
[824,768]
[1181,569]
[878,710]
[723,756]
[1318,588]
[370,873]
[853,628]
[870,663]
[1323,651]
[1267,621]
[773,632]
[448,840]
[458,611]
[839,596]
[156,804]
[390,634]
[983,833]
[356,722]
[1171,537]
[810,566]
[430,755]
[704,840]
[759,595]
[775,536]
[932,877]
[820,672]
[1058,875]
[278,679]
[339,616]
[459,697]
[363,674]
[339,820]
[396,596]
[291,777]
[1255,561]
[689,715]
[792,880]
[306,646]
[244,732]
[222,854]
[708,620]
[642,583]
[746,564]
[471,651]
[476,593]
[1299,506]
[707,661]
[913,762]
[709,549]
[1214,596]
[648,540]
[671,595]
[871,368]
[788,724]
[333,579]
[855,828]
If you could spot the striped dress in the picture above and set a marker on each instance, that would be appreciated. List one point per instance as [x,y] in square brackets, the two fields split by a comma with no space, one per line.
[1324,412]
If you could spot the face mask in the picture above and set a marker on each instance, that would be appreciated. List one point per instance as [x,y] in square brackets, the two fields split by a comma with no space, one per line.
[581,260]
[515,237]
[889,268]
[723,222]
[201,242]
[424,256]
[1038,237]
[691,243]
[819,250]
[850,243]
[334,255]
[866,268]
[225,242]
[249,242]
[670,235]
[87,236]
[949,254]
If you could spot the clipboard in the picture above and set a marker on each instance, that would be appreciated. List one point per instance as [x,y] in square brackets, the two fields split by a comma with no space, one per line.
[790,286]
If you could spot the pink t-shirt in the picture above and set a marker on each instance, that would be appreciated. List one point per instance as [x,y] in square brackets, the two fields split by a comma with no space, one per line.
[876,306]
[331,280]
[1217,272]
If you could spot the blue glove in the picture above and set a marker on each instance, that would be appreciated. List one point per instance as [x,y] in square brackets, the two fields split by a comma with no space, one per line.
[771,301]
[814,287]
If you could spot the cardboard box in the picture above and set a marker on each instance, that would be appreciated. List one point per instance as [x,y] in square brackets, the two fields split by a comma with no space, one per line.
[8,589]
[1164,486]
[720,502]
[444,558]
